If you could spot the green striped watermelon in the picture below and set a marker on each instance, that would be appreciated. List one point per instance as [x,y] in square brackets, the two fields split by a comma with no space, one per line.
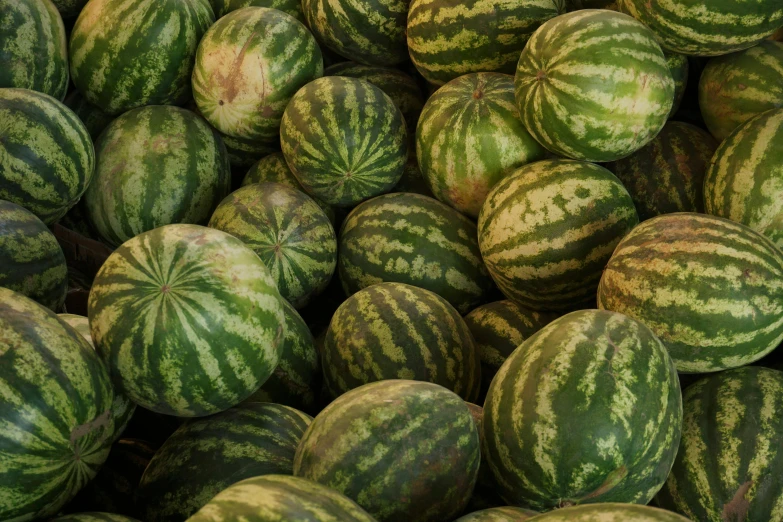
[288,231]
[679,67]
[586,410]
[94,517]
[593,85]
[398,331]
[547,230]
[291,7]
[736,87]
[242,153]
[403,450]
[279,497]
[296,380]
[498,329]
[204,457]
[156,166]
[248,66]
[610,512]
[371,32]
[731,448]
[469,137]
[188,319]
[744,181]
[403,89]
[710,289]
[344,140]
[32,261]
[129,53]
[55,406]
[707,29]
[667,174]
[449,38]
[47,154]
[413,239]
[33,48]
[499,514]
[94,119]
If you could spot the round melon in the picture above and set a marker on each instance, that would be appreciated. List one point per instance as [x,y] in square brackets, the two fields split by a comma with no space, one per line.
[188,319]
[499,514]
[248,66]
[46,154]
[403,450]
[344,140]
[156,166]
[708,287]
[450,38]
[736,87]
[707,28]
[667,174]
[398,331]
[413,239]
[129,53]
[593,85]
[586,410]
[94,119]
[288,231]
[547,230]
[726,467]
[32,261]
[469,137]
[679,67]
[291,7]
[610,512]
[33,47]
[56,410]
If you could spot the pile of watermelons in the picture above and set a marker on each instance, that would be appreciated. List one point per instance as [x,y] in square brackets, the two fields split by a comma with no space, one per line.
[331,230]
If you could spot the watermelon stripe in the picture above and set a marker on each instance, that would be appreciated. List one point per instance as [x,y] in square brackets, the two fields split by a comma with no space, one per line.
[679,67]
[610,512]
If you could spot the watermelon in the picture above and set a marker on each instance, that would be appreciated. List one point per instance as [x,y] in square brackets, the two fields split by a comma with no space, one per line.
[344,140]
[610,512]
[400,87]
[296,380]
[371,32]
[667,174]
[593,85]
[412,180]
[243,153]
[707,29]
[288,231]
[744,181]
[94,517]
[586,410]
[499,514]
[291,7]
[55,406]
[178,175]
[188,319]
[69,9]
[277,497]
[46,154]
[679,67]
[33,48]
[710,289]
[413,239]
[154,428]
[94,119]
[398,331]
[32,261]
[246,441]
[469,137]
[403,450]
[498,329]
[450,38]
[547,230]
[736,87]
[730,453]
[248,66]
[485,494]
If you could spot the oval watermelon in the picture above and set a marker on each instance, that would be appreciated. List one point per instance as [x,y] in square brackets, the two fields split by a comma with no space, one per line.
[547,230]
[731,311]
[499,514]
[610,512]
[33,48]
[56,410]
[344,140]
[188,319]
[403,450]
[593,85]
[248,66]
[156,166]
[413,239]
[469,137]
[291,7]
[586,410]
[47,156]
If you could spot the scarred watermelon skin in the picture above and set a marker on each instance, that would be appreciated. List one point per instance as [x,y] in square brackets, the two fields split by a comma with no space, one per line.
[586,410]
